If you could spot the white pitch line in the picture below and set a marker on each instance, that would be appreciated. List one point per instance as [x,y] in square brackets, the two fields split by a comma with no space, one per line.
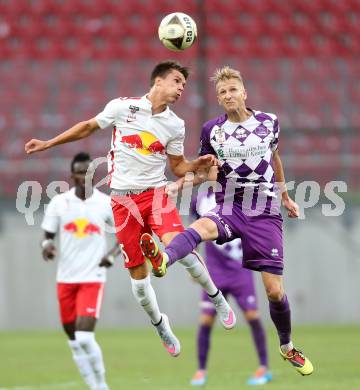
[64,385]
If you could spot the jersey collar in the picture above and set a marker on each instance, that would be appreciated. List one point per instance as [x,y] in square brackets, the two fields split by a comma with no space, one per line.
[245,121]
[165,113]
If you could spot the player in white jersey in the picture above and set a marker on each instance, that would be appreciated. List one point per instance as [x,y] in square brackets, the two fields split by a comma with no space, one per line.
[146,133]
[79,218]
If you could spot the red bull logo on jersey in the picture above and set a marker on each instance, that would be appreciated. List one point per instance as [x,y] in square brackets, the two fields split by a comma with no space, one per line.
[144,143]
[81,227]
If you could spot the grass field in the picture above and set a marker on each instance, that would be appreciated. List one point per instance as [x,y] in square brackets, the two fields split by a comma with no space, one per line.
[136,360]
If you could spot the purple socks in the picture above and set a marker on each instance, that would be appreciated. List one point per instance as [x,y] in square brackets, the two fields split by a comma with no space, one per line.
[258,334]
[203,344]
[259,337]
[183,244]
[280,314]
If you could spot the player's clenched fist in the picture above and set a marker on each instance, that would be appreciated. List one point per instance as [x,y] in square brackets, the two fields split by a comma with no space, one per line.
[291,207]
[48,249]
[107,261]
[207,161]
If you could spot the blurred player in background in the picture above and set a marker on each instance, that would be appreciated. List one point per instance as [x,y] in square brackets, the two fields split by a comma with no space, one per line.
[79,218]
[224,265]
[146,133]
[246,142]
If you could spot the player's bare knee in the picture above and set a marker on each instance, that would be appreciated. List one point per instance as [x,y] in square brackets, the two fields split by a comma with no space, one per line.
[70,330]
[207,320]
[251,315]
[139,272]
[274,293]
[168,237]
[206,228]
[85,323]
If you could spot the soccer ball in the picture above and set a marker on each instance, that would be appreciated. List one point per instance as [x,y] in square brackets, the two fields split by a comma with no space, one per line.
[177,31]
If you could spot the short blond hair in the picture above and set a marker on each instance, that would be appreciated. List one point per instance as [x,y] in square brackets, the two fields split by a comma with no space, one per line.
[226,73]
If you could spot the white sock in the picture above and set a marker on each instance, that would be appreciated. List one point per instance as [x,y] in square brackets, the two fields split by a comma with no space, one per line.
[93,351]
[285,348]
[145,295]
[82,361]
[196,267]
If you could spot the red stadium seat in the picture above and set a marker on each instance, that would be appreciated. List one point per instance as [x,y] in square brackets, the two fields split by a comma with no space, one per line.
[302,24]
[61,62]
[308,6]
[168,6]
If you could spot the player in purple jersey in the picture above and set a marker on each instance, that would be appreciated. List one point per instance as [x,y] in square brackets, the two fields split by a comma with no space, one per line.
[246,143]
[224,265]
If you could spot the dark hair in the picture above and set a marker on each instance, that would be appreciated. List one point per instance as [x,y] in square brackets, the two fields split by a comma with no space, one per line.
[162,69]
[80,157]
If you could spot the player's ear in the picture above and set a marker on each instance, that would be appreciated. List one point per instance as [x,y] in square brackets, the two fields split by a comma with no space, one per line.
[245,94]
[157,81]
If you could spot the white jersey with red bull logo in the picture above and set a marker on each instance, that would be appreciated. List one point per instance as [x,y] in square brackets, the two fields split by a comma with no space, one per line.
[80,225]
[140,142]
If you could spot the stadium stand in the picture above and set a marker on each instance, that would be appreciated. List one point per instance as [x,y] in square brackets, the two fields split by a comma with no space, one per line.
[60,62]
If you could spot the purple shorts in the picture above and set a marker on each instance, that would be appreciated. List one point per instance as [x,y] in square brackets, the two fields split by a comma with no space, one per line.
[261,236]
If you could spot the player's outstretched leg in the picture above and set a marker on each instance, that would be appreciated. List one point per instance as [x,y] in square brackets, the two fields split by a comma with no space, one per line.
[197,269]
[93,351]
[170,341]
[181,246]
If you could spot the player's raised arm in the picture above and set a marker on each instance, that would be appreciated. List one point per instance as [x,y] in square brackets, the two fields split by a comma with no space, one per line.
[80,130]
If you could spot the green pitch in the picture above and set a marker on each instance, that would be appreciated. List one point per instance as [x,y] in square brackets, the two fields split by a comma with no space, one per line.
[136,360]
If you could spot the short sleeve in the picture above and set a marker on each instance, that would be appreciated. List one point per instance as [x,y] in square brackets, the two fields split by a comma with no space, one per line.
[205,145]
[108,116]
[51,219]
[275,141]
[175,146]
